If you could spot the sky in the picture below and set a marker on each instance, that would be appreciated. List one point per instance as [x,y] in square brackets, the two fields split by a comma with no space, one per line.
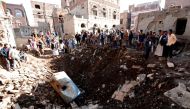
[125,3]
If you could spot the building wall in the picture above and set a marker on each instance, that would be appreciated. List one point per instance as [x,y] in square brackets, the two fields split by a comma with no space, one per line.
[17,21]
[182,3]
[6,31]
[125,20]
[165,20]
[43,15]
[142,8]
[83,10]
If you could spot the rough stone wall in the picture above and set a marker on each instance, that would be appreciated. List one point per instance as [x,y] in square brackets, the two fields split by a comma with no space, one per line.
[164,20]
[182,3]
[6,31]
[124,21]
[81,9]
[43,16]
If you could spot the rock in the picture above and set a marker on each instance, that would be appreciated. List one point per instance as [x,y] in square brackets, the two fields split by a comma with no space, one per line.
[103,85]
[181,70]
[17,106]
[44,102]
[31,107]
[91,106]
[74,105]
[150,76]
[124,90]
[5,102]
[131,94]
[118,95]
[124,67]
[151,65]
[136,67]
[160,85]
[9,87]
[13,91]
[100,58]
[179,95]
[73,58]
[3,81]
[141,77]
[64,86]
[170,64]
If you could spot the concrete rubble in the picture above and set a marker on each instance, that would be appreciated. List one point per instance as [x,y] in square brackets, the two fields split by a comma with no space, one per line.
[179,95]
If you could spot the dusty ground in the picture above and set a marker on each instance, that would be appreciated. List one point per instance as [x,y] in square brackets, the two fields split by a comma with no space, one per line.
[98,73]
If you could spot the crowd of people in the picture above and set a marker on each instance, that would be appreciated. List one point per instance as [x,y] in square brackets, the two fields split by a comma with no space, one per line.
[160,44]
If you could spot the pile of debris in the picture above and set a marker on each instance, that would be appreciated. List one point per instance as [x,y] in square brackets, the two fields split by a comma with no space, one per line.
[120,78]
[28,86]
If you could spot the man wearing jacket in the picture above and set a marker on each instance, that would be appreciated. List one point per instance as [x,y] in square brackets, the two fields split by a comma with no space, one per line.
[170,43]
[5,53]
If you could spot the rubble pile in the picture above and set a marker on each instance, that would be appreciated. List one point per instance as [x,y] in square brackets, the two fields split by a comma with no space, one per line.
[28,87]
[121,78]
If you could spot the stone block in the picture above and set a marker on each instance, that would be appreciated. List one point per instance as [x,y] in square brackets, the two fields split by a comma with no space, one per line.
[64,86]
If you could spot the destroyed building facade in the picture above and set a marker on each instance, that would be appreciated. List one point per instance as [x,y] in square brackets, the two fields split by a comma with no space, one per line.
[6,31]
[135,10]
[181,3]
[125,20]
[174,18]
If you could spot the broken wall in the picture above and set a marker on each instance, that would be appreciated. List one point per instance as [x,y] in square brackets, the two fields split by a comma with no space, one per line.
[165,20]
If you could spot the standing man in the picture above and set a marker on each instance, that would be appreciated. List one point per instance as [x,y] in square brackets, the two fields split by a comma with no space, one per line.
[161,44]
[170,43]
[141,40]
[5,54]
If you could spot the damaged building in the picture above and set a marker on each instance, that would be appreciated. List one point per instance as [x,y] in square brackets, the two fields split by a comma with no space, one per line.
[6,31]
[175,18]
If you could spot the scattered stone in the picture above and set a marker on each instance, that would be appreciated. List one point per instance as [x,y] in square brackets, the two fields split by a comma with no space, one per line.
[118,95]
[141,78]
[150,76]
[74,105]
[179,95]
[100,58]
[124,67]
[17,106]
[131,94]
[160,85]
[103,85]
[170,64]
[181,70]
[136,66]
[73,58]
[9,87]
[151,65]
[124,90]
[64,86]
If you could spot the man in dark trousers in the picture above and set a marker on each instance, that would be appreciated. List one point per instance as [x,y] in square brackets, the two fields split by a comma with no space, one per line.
[148,46]
[5,54]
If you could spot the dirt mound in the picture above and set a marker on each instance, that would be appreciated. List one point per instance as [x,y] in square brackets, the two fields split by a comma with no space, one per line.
[100,72]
